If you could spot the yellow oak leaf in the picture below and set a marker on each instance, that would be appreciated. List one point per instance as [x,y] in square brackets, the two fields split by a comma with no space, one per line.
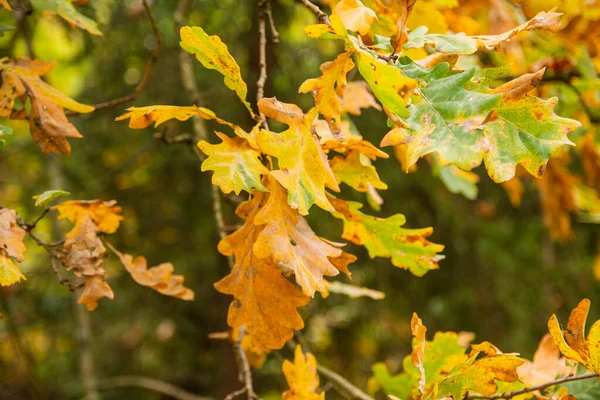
[302,377]
[11,235]
[418,331]
[95,289]
[355,172]
[159,278]
[213,54]
[355,144]
[9,272]
[572,342]
[235,163]
[303,167]
[355,16]
[265,303]
[290,243]
[328,89]
[356,96]
[105,214]
[479,374]
[47,121]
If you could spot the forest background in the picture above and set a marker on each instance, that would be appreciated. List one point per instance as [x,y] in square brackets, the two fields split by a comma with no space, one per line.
[504,270]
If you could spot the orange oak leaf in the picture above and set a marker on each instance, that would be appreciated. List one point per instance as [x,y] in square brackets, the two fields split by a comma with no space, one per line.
[356,96]
[572,342]
[11,235]
[265,303]
[403,9]
[418,331]
[159,278]
[355,143]
[95,289]
[355,16]
[328,89]
[290,243]
[303,167]
[105,214]
[48,124]
[302,377]
[547,364]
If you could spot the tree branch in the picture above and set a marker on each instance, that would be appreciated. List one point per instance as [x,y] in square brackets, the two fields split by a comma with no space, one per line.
[510,395]
[147,72]
[152,384]
[321,16]
[262,56]
[245,374]
[341,383]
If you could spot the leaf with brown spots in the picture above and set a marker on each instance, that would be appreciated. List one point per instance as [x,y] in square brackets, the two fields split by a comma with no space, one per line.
[11,247]
[572,342]
[159,278]
[328,90]
[47,121]
[403,9]
[302,377]
[303,167]
[265,303]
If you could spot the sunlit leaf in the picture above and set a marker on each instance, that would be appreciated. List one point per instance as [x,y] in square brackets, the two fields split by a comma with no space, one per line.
[42,200]
[66,10]
[302,377]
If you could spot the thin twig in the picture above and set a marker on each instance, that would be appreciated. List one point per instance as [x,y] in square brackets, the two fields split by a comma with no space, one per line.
[341,383]
[262,56]
[321,16]
[245,374]
[152,384]
[510,395]
[274,32]
[147,72]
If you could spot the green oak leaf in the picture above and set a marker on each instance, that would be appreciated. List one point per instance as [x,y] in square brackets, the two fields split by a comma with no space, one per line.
[383,237]
[235,163]
[42,200]
[447,118]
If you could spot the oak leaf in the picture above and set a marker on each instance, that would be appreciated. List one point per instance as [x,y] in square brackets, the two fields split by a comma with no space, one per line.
[213,54]
[403,9]
[159,278]
[48,124]
[303,167]
[95,289]
[356,96]
[356,173]
[355,16]
[302,377]
[235,163]
[418,331]
[9,271]
[328,89]
[392,88]
[105,214]
[479,374]
[384,237]
[11,235]
[572,342]
[354,143]
[265,303]
[66,10]
[546,366]
[290,243]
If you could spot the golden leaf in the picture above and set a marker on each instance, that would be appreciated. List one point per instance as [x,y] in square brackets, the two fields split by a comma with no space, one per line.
[105,214]
[302,377]
[355,16]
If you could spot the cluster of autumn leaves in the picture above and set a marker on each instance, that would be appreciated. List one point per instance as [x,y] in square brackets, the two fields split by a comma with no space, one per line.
[83,250]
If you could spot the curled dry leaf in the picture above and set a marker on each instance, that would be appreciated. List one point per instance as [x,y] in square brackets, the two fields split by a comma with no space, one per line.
[572,342]
[159,278]
[47,121]
[546,365]
[302,377]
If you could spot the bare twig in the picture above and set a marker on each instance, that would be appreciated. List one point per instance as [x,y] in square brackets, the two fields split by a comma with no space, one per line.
[262,56]
[274,32]
[245,374]
[342,384]
[147,72]
[514,393]
[321,16]
[152,384]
